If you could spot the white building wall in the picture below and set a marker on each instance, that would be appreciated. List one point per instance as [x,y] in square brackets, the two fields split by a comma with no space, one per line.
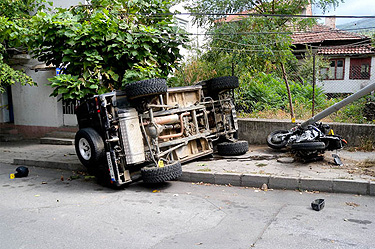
[347,85]
[67,3]
[197,40]
[32,105]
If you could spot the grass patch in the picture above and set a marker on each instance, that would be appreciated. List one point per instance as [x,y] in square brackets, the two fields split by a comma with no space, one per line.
[261,164]
[204,170]
[367,164]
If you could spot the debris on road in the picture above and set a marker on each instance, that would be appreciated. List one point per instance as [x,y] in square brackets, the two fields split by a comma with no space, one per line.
[352,204]
[264,187]
[285,160]
[318,204]
[337,160]
[22,171]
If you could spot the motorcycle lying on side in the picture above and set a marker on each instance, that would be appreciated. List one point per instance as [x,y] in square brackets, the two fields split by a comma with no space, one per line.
[310,139]
[308,142]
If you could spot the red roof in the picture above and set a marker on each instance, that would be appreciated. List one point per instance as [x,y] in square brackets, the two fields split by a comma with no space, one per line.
[347,50]
[320,33]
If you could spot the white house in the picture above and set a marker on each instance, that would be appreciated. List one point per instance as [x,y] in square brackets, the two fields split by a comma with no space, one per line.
[351,57]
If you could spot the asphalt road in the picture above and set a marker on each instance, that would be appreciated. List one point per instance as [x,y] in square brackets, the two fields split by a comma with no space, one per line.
[42,211]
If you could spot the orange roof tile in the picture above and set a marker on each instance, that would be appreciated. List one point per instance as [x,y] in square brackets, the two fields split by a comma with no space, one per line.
[320,33]
[347,50]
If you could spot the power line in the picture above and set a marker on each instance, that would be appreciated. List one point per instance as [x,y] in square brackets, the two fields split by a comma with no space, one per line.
[268,33]
[250,14]
[265,32]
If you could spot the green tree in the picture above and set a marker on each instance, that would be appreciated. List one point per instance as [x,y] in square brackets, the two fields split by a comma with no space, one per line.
[258,37]
[106,45]
[254,43]
[14,19]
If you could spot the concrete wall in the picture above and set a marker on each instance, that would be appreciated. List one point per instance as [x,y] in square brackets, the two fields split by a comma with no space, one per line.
[4,107]
[256,130]
[32,105]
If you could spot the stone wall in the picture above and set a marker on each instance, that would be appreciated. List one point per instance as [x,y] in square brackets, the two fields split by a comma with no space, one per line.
[256,130]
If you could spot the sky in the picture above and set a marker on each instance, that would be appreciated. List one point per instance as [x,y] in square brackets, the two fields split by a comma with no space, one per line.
[352,8]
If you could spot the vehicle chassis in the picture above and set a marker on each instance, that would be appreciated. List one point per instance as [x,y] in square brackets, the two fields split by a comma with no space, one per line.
[157,130]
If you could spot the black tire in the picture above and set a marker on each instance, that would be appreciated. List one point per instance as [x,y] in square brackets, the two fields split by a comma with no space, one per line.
[232,148]
[159,175]
[277,143]
[146,88]
[223,83]
[89,147]
[312,146]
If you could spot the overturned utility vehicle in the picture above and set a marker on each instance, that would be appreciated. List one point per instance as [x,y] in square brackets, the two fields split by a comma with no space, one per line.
[147,131]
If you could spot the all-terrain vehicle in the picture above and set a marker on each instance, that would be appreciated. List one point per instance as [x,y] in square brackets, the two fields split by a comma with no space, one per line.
[147,131]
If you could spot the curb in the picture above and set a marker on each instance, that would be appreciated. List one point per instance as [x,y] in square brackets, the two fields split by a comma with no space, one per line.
[360,187]
[50,164]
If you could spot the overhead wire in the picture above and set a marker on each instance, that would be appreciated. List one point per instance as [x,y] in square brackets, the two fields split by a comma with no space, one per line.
[249,14]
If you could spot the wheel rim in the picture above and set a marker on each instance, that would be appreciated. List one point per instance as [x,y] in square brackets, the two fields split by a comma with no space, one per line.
[84,148]
[277,138]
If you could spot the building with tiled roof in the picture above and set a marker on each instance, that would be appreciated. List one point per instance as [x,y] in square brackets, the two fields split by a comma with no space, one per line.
[351,56]
[323,34]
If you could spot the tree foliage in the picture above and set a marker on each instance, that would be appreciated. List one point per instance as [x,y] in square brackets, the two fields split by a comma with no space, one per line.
[14,20]
[253,43]
[223,7]
[106,45]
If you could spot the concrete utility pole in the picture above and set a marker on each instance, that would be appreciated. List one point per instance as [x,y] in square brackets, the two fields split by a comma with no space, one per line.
[289,94]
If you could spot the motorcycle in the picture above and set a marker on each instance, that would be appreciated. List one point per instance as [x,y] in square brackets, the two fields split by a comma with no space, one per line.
[310,138]
[306,142]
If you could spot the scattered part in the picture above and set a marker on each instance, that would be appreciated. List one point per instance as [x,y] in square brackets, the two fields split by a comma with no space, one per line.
[318,204]
[264,187]
[352,204]
[22,171]
[337,160]
[285,160]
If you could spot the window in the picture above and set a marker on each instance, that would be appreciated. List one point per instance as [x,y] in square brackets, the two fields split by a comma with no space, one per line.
[335,70]
[182,24]
[360,68]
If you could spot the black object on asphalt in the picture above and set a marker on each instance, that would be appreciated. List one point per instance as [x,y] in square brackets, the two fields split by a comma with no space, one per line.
[22,171]
[318,204]
[337,160]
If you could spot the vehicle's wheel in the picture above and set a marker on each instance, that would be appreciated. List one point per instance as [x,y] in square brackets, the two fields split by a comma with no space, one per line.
[311,146]
[233,148]
[161,174]
[223,83]
[277,139]
[146,88]
[89,148]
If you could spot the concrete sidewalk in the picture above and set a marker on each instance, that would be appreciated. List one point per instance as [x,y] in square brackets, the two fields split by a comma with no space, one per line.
[259,166]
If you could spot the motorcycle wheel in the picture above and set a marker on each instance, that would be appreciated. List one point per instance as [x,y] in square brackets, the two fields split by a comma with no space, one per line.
[309,146]
[276,140]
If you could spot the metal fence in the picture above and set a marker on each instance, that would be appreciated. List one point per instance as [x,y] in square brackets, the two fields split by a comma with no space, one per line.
[69,106]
